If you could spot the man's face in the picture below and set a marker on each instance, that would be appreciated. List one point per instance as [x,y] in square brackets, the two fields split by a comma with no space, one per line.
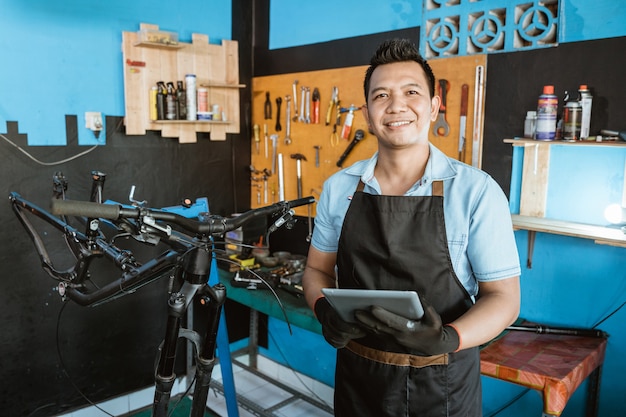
[399,109]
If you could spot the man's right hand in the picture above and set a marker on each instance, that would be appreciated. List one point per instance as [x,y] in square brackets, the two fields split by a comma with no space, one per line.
[336,331]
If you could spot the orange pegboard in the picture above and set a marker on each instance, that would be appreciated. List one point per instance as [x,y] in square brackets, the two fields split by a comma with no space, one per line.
[306,136]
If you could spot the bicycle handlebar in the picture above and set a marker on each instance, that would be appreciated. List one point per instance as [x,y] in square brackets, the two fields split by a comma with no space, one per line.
[212,224]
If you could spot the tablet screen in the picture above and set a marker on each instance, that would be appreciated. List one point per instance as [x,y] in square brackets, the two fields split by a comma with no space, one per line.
[346,301]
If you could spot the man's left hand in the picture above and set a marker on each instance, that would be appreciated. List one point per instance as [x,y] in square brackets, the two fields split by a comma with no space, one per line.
[426,336]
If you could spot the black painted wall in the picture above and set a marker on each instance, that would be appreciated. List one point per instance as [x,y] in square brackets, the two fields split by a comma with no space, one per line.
[109,349]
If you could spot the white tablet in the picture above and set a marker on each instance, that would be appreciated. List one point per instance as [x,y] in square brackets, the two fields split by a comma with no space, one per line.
[346,301]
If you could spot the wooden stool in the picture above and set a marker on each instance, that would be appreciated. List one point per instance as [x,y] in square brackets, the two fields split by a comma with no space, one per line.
[554,365]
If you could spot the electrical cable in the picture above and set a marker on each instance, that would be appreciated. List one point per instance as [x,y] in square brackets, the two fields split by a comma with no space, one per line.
[282,354]
[64,368]
[507,405]
[71,158]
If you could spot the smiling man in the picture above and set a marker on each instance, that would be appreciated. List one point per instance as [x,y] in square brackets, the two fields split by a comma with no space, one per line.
[411,218]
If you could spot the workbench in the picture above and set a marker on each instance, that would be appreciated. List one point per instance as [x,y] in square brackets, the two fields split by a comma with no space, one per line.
[554,365]
[263,301]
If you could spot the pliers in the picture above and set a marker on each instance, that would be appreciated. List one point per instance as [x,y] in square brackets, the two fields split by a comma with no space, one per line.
[334,101]
[316,105]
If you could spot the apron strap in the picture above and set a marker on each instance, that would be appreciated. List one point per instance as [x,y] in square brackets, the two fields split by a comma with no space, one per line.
[437,188]
[398,359]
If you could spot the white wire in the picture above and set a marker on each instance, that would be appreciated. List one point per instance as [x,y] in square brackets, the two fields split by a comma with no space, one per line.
[48,163]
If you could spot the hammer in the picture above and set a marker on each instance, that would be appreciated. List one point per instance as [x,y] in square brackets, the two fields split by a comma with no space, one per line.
[299,158]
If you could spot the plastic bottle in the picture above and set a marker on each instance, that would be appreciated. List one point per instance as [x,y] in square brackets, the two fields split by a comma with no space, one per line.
[572,112]
[170,113]
[153,102]
[585,97]
[546,114]
[181,94]
[529,124]
[190,79]
[161,100]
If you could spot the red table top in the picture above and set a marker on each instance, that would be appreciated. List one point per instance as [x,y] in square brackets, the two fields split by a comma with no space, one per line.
[553,364]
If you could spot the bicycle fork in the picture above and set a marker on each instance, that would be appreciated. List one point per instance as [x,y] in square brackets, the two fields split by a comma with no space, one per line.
[213,298]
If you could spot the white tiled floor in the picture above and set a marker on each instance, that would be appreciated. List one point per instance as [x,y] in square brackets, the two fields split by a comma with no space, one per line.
[264,394]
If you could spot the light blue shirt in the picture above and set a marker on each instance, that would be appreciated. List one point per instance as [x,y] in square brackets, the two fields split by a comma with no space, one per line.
[478,222]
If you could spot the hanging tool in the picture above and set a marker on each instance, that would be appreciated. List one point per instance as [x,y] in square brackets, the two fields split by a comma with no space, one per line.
[257,139]
[334,99]
[294,89]
[334,136]
[278,101]
[307,119]
[302,93]
[274,139]
[463,121]
[268,106]
[347,123]
[265,138]
[316,105]
[317,155]
[478,116]
[281,178]
[441,125]
[358,136]
[299,158]
[288,121]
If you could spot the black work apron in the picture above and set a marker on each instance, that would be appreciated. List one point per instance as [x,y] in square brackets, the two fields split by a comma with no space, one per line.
[400,243]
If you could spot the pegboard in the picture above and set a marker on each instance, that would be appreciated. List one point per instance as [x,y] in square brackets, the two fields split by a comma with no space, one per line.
[305,136]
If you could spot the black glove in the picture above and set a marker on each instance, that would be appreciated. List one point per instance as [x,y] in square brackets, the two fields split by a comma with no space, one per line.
[336,331]
[426,336]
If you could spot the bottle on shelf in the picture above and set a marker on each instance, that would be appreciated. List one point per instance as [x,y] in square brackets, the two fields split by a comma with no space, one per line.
[585,97]
[547,107]
[170,113]
[529,124]
[192,108]
[572,112]
[161,100]
[181,102]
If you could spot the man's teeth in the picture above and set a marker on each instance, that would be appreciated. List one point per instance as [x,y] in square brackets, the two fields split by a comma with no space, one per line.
[394,124]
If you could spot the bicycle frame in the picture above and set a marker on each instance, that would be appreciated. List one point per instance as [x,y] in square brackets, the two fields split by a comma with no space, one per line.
[190,258]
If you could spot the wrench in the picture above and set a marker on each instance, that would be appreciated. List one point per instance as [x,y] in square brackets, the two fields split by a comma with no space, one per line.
[294,88]
[278,101]
[307,119]
[288,121]
[441,125]
[302,93]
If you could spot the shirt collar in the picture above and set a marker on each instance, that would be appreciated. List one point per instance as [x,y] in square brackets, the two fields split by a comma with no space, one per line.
[439,167]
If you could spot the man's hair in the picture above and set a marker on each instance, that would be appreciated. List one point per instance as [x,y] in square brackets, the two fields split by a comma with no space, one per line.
[398,50]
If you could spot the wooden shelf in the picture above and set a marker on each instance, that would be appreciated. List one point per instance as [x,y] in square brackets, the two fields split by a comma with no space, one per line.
[158,45]
[599,234]
[612,236]
[223,85]
[524,142]
[224,122]
[215,66]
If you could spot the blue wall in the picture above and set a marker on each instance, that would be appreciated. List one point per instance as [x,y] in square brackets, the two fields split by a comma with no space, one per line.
[65,57]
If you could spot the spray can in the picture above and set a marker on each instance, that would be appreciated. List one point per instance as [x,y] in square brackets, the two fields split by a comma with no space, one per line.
[181,95]
[190,80]
[546,114]
[572,112]
[585,97]
[170,113]
[161,100]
